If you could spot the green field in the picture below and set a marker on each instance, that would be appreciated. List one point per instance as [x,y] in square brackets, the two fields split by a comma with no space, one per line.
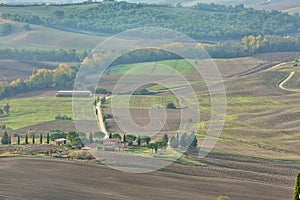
[167,67]
[142,101]
[30,111]
[36,110]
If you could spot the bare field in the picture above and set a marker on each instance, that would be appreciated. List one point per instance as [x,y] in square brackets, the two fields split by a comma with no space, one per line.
[13,69]
[25,178]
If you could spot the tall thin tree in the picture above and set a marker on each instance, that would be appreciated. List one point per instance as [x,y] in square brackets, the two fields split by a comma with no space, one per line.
[297,188]
[19,141]
[41,138]
[48,138]
[26,139]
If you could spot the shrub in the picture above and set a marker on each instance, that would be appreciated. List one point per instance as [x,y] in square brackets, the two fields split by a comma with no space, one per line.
[83,155]
[171,105]
[223,198]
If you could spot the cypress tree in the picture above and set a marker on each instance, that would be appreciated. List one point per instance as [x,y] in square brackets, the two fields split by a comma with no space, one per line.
[9,139]
[195,142]
[166,138]
[26,139]
[139,141]
[41,139]
[19,141]
[48,138]
[5,138]
[33,139]
[91,138]
[124,138]
[297,187]
[110,135]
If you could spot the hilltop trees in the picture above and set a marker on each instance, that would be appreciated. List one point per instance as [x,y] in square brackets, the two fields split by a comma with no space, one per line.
[62,76]
[201,21]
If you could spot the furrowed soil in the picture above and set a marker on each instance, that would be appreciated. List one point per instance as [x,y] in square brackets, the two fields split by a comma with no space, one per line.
[29,178]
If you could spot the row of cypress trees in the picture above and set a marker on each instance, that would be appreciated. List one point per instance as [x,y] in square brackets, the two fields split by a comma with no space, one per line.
[6,139]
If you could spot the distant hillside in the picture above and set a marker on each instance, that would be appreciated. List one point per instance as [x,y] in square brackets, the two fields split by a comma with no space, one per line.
[203,21]
[258,4]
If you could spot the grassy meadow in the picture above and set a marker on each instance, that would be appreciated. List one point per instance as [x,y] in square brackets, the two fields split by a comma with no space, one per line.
[30,111]
[167,67]
[142,101]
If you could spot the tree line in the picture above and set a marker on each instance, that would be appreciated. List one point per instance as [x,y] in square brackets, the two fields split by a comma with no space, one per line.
[183,141]
[246,47]
[201,22]
[59,55]
[61,77]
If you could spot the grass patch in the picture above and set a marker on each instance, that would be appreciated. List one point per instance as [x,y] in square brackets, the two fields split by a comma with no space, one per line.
[142,101]
[30,111]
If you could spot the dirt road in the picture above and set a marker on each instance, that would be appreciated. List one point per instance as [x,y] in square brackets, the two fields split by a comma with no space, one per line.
[281,85]
[28,178]
[100,119]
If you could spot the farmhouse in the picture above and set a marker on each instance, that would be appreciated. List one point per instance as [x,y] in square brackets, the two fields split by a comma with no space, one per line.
[60,141]
[113,144]
[72,93]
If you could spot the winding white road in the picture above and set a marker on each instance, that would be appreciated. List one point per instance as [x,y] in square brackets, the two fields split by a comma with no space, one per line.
[100,119]
[281,85]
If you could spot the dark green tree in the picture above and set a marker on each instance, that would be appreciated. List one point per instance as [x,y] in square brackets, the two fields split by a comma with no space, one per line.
[297,188]
[19,140]
[124,138]
[41,138]
[130,139]
[77,142]
[139,141]
[116,135]
[26,139]
[194,142]
[5,138]
[166,138]
[152,146]
[48,138]
[110,135]
[9,139]
[171,105]
[6,108]
[33,139]
[145,140]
